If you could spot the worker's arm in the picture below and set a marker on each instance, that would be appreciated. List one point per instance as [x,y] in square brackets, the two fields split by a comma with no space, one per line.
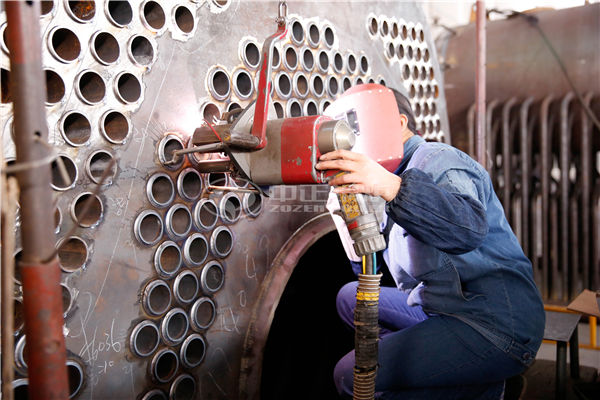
[446,213]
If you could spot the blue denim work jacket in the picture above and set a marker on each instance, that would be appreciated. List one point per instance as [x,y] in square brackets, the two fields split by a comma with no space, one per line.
[452,248]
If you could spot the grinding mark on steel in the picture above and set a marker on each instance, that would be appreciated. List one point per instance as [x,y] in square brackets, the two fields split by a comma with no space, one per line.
[137,160]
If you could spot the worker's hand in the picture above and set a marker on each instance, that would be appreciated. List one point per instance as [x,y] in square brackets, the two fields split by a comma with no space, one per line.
[363,174]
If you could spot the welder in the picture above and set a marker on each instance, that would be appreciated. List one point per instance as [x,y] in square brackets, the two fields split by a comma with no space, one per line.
[466,313]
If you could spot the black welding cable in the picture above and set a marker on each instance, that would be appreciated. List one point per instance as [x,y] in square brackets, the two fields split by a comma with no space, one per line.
[534,21]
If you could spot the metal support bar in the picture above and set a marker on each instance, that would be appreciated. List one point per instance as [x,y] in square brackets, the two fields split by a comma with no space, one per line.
[561,370]
[480,82]
[42,297]
[574,354]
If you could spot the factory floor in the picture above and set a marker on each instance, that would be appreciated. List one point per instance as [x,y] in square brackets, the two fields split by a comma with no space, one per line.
[540,377]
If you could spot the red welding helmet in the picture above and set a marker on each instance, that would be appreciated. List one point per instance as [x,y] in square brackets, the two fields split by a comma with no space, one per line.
[371,110]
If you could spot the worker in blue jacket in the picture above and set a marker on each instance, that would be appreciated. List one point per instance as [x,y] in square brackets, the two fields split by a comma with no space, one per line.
[466,313]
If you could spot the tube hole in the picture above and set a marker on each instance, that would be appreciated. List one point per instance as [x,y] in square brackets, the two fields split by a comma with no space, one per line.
[333,86]
[142,50]
[317,85]
[359,81]
[6,95]
[301,85]
[72,254]
[219,84]
[94,212]
[185,287]
[166,149]
[418,55]
[174,326]
[217,179]
[105,48]
[351,63]
[390,51]
[310,107]
[347,83]
[144,338]
[160,190]
[157,297]
[426,55]
[415,72]
[373,26]
[323,106]
[329,36]
[253,201]
[323,61]
[195,250]
[221,242]
[155,394]
[308,60]
[338,62]
[400,51]
[211,112]
[178,221]
[169,259]
[47,6]
[294,109]
[75,377]
[18,255]
[314,36]
[203,313]
[91,87]
[164,365]
[82,11]
[413,33]
[412,91]
[189,184]
[252,54]
[19,319]
[148,227]
[114,127]
[183,388]
[193,350]
[58,182]
[276,58]
[382,82]
[65,45]
[97,165]
[154,16]
[231,208]
[55,87]
[129,88]
[233,106]
[212,277]
[57,220]
[243,84]
[364,64]
[405,72]
[120,12]
[184,19]
[394,31]
[297,32]
[404,32]
[284,85]
[67,299]
[20,389]
[291,58]
[205,214]
[278,109]
[421,35]
[385,29]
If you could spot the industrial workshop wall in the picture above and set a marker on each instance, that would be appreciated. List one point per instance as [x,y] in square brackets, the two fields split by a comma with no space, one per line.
[543,147]
[170,283]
